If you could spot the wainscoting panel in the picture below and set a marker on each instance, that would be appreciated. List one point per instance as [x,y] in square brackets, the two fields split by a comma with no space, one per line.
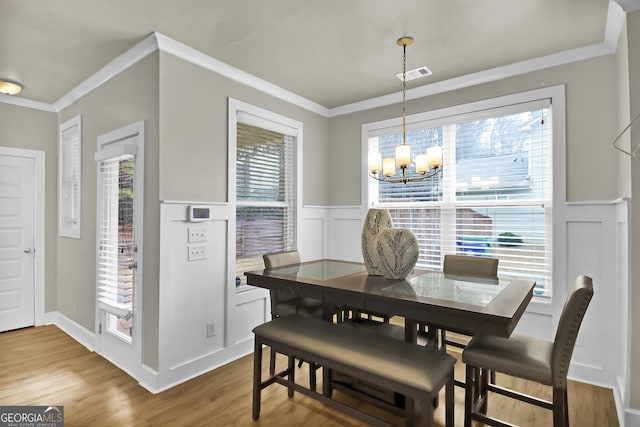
[251,309]
[313,233]
[585,255]
[590,238]
[595,247]
[192,286]
[345,231]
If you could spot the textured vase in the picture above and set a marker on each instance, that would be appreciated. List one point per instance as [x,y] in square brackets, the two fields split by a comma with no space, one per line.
[398,251]
[376,221]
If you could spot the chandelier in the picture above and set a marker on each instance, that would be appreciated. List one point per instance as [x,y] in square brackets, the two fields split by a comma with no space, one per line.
[427,165]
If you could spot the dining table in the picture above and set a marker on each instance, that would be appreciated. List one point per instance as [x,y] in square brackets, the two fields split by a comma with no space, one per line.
[442,301]
[454,303]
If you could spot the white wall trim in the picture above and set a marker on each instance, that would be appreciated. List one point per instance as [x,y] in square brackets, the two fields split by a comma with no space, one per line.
[168,45]
[39,229]
[75,330]
[27,103]
[158,41]
[631,418]
[132,56]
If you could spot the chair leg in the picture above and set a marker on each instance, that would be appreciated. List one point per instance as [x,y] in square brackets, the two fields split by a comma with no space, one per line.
[560,407]
[449,401]
[483,392]
[272,362]
[257,378]
[469,394]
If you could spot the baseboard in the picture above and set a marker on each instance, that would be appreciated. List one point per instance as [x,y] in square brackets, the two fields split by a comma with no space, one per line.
[151,380]
[631,418]
[172,377]
[74,330]
[48,318]
[619,399]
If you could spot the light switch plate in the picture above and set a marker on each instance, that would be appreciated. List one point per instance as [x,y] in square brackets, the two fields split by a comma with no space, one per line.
[197,234]
[196,253]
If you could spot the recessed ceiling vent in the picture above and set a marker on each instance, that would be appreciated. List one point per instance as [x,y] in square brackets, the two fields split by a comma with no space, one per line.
[416,73]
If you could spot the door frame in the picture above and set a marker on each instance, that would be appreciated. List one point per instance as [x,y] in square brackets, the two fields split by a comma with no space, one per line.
[134,366]
[38,227]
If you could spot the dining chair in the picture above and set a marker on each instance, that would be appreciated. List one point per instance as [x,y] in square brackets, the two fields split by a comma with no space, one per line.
[526,357]
[285,303]
[469,266]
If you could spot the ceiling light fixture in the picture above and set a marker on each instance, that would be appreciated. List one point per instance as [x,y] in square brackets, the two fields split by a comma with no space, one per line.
[9,88]
[427,165]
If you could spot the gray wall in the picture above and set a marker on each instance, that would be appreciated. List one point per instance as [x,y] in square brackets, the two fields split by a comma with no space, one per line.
[633,38]
[591,127]
[193,134]
[127,98]
[37,130]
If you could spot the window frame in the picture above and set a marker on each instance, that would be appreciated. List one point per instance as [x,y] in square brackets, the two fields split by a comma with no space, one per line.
[557,165]
[256,116]
[70,230]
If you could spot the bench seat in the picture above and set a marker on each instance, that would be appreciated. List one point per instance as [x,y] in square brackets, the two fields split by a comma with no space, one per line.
[417,372]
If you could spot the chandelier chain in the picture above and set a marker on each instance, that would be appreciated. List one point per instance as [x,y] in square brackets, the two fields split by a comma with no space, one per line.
[404,93]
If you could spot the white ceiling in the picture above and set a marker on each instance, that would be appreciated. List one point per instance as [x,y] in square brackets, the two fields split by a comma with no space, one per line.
[332,52]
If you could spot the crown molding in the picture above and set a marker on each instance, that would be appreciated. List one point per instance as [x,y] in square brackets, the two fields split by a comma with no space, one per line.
[196,57]
[615,21]
[141,50]
[478,78]
[27,103]
[156,41]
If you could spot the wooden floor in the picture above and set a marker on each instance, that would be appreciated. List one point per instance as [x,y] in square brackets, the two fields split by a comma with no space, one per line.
[44,366]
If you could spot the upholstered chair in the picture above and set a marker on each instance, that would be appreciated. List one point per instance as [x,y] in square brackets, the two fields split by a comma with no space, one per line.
[545,362]
[284,303]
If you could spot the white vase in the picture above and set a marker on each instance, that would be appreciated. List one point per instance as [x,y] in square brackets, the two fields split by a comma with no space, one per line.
[398,251]
[376,221]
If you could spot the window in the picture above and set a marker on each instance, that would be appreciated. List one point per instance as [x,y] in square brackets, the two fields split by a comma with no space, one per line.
[69,178]
[265,189]
[116,247]
[494,196]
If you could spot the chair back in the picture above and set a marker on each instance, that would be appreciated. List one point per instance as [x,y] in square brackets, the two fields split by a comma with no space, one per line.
[278,259]
[570,320]
[474,266]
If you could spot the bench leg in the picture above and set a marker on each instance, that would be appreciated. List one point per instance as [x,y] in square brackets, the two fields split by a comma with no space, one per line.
[312,375]
[257,378]
[292,374]
[419,412]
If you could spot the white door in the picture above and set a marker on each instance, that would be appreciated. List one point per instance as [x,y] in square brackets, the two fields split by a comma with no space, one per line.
[17,216]
[119,246]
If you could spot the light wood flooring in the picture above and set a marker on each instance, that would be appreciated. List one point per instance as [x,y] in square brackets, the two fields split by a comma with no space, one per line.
[44,366]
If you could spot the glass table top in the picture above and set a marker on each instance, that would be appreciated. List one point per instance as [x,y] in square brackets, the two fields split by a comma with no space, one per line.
[451,288]
[320,270]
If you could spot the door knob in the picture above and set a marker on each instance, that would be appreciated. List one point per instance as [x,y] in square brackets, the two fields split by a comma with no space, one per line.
[27,250]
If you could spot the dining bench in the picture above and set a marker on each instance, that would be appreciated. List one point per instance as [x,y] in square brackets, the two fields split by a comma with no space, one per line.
[417,372]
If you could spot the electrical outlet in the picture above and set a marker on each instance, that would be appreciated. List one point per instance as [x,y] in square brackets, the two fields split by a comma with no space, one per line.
[197,234]
[211,329]
[196,253]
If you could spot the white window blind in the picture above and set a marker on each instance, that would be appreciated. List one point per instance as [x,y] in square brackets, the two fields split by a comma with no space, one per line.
[70,180]
[115,235]
[494,195]
[265,195]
